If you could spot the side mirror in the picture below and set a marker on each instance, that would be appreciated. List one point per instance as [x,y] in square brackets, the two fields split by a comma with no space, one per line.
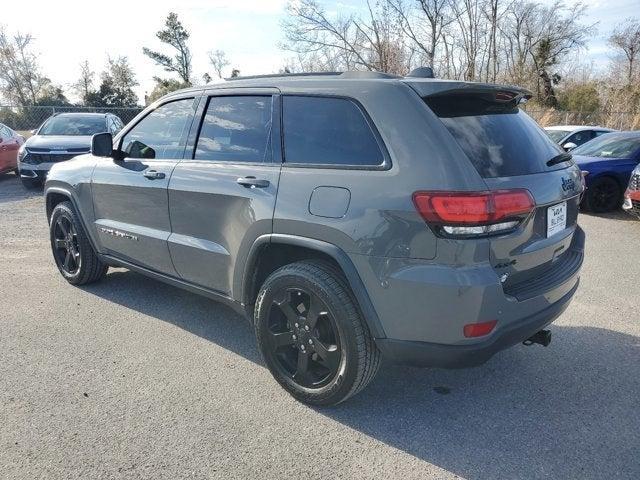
[102,145]
[569,146]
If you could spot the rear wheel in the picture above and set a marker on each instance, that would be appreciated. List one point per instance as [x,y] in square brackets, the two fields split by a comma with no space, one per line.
[603,195]
[312,335]
[74,256]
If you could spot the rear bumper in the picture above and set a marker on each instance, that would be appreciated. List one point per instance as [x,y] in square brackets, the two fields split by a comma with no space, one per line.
[424,354]
[423,307]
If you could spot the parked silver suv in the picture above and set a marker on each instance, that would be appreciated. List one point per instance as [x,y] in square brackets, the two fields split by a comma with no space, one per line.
[61,137]
[350,216]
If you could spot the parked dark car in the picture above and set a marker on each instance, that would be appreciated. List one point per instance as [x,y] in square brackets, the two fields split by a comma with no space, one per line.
[61,137]
[10,143]
[349,216]
[607,163]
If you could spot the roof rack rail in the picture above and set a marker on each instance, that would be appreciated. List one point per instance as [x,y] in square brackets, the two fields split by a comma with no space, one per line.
[285,75]
[349,74]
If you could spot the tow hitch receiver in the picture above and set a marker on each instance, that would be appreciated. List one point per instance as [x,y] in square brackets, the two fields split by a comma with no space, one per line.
[543,337]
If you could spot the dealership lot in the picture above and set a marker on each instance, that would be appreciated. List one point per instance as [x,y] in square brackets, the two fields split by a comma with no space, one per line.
[131,378]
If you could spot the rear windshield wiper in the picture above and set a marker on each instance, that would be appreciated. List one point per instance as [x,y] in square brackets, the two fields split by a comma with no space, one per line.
[563,157]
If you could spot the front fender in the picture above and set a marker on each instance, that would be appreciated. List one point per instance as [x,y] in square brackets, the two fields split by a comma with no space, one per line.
[72,180]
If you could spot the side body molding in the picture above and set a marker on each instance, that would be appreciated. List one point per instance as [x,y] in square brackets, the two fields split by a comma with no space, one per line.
[353,278]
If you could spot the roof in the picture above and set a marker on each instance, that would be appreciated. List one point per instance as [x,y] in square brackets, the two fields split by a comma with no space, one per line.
[81,114]
[337,80]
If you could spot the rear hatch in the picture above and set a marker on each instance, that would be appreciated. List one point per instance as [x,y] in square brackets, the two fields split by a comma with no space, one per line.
[516,159]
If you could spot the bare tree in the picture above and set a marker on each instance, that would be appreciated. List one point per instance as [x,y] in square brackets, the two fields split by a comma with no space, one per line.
[85,84]
[627,39]
[20,79]
[175,35]
[219,61]
[310,31]
[424,23]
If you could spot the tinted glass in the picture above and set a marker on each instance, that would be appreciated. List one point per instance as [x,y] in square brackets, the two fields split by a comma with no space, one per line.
[236,129]
[610,146]
[580,137]
[499,139]
[557,135]
[328,131]
[69,125]
[160,134]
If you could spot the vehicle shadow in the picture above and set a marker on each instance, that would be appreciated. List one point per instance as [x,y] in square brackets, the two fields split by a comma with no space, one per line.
[614,215]
[12,190]
[568,411]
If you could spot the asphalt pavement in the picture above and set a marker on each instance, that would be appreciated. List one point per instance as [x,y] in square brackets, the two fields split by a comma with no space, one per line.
[131,378]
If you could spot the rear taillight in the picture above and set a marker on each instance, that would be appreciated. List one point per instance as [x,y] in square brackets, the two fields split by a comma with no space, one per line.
[474,213]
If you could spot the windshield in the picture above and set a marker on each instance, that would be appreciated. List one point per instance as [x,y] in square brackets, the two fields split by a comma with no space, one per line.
[74,126]
[557,135]
[609,146]
[499,139]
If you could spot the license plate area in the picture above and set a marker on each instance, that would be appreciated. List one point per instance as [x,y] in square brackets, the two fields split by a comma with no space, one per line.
[556,218]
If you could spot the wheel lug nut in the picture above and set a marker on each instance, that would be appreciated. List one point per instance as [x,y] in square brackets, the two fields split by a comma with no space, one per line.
[297,325]
[306,327]
[294,337]
[310,342]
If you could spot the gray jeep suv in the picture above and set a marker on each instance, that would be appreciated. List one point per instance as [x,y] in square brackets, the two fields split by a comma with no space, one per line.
[350,216]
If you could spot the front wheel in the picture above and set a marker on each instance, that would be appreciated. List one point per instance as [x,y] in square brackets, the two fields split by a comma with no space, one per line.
[312,335]
[74,256]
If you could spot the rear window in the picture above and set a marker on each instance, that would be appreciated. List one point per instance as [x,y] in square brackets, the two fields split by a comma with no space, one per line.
[557,135]
[499,138]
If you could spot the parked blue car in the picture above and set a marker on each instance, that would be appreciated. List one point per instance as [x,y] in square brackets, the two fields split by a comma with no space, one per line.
[606,163]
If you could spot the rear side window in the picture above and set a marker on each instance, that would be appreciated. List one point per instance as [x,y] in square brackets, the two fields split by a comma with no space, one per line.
[236,129]
[499,139]
[328,131]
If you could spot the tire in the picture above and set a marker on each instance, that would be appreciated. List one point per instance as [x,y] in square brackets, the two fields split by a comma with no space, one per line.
[74,256]
[30,183]
[339,353]
[603,195]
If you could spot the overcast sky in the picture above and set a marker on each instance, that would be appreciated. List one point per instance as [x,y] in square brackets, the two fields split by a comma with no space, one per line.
[67,32]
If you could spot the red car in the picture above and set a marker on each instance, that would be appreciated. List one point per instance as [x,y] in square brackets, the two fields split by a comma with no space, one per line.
[10,143]
[632,195]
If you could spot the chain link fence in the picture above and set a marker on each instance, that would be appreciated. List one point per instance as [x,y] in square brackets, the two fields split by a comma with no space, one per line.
[25,119]
[615,120]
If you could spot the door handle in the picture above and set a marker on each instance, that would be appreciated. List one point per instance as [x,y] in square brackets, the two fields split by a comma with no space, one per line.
[153,175]
[252,182]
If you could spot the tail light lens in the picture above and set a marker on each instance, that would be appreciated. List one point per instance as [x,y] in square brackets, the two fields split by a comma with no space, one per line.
[472,330]
[474,213]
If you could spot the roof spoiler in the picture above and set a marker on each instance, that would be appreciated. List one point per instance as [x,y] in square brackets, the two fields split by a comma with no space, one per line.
[500,93]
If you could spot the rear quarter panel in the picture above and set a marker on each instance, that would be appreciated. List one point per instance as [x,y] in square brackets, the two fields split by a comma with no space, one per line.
[381,219]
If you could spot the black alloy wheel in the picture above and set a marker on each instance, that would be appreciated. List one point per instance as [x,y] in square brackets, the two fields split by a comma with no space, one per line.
[66,248]
[72,251]
[304,342]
